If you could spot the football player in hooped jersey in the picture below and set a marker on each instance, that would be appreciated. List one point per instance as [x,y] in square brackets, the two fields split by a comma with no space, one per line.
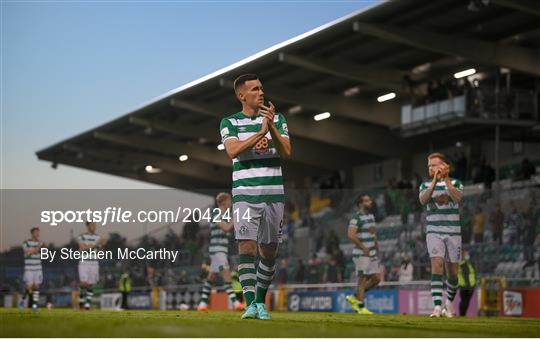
[363,235]
[442,196]
[255,139]
[219,251]
[33,273]
[89,268]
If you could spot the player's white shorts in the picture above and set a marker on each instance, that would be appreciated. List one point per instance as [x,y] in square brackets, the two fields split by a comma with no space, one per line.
[218,262]
[444,246]
[366,265]
[33,277]
[89,273]
[263,223]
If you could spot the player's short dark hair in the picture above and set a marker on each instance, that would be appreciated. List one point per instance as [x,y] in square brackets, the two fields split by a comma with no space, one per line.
[440,156]
[88,222]
[241,80]
[34,229]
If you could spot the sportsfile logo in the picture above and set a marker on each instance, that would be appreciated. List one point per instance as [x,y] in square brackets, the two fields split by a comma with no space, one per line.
[121,215]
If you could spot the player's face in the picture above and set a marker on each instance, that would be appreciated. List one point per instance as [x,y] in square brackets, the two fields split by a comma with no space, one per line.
[91,227]
[35,234]
[252,94]
[367,202]
[434,164]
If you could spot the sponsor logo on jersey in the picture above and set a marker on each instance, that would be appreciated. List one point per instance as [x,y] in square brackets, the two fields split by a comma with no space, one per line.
[262,146]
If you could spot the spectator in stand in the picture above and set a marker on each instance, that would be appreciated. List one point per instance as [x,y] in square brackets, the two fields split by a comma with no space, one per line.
[332,242]
[340,262]
[406,269]
[319,239]
[389,197]
[393,275]
[331,274]
[477,172]
[478,225]
[514,227]
[537,245]
[313,273]
[489,176]
[527,169]
[461,167]
[466,225]
[530,220]
[183,279]
[300,270]
[496,220]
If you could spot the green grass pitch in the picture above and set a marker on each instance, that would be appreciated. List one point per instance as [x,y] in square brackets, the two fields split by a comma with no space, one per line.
[95,323]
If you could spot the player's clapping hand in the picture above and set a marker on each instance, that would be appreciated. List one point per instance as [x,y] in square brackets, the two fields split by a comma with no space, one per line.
[264,127]
[436,176]
[268,111]
[445,171]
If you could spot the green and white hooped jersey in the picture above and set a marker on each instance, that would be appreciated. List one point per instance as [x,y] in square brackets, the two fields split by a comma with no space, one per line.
[219,240]
[257,175]
[442,211]
[362,223]
[92,240]
[32,262]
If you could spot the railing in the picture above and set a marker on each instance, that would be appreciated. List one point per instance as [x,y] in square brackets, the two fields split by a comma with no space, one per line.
[433,111]
[478,103]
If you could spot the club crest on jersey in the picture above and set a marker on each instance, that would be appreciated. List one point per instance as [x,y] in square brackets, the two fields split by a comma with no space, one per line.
[262,146]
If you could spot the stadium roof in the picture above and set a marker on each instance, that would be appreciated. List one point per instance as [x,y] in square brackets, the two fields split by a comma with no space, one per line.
[341,67]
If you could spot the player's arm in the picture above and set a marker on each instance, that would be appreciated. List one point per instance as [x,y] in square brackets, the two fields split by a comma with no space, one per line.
[30,250]
[233,146]
[456,191]
[82,245]
[351,234]
[376,241]
[280,134]
[425,194]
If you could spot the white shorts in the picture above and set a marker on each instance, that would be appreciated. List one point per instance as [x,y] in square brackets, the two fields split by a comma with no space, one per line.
[89,273]
[366,265]
[260,222]
[33,277]
[218,262]
[444,246]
